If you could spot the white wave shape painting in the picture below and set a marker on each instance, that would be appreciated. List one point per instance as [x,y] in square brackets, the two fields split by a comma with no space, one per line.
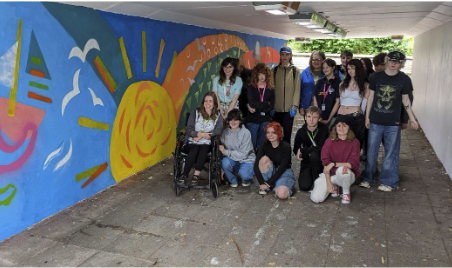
[52,155]
[7,64]
[96,100]
[65,159]
[77,52]
[74,92]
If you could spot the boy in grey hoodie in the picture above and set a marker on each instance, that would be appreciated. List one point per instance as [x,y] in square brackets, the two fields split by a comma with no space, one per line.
[237,149]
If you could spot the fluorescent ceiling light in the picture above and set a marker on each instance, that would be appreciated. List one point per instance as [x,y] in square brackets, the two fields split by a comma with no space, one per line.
[340,33]
[313,26]
[276,12]
[321,30]
[317,23]
[275,8]
[309,20]
[330,28]
[300,18]
[303,23]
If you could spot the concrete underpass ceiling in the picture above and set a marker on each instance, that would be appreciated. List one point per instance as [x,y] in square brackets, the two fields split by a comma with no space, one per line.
[359,19]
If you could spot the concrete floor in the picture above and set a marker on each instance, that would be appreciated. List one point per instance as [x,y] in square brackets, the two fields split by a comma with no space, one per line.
[140,222]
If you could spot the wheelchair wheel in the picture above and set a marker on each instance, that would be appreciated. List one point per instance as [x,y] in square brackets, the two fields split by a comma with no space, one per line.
[214,187]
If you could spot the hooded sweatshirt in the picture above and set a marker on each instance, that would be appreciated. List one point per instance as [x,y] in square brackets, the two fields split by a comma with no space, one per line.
[287,91]
[238,145]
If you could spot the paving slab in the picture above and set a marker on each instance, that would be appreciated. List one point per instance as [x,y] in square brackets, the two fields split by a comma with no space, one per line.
[23,247]
[138,245]
[94,236]
[61,255]
[105,259]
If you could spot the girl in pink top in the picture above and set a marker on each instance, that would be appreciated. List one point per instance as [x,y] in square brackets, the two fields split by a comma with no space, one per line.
[340,159]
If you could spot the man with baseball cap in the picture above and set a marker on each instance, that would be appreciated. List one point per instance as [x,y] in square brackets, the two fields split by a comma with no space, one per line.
[389,90]
[287,91]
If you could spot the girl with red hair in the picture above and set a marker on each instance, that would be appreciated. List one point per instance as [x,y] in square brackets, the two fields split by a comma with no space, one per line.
[273,163]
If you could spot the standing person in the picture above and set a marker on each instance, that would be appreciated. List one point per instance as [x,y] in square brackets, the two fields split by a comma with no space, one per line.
[227,86]
[340,158]
[203,123]
[237,150]
[309,78]
[354,92]
[261,100]
[326,94]
[287,91]
[307,147]
[367,64]
[346,56]
[379,62]
[245,75]
[388,91]
[273,161]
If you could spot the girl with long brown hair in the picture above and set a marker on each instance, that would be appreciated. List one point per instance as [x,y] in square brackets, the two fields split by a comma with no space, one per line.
[228,86]
[203,123]
[261,100]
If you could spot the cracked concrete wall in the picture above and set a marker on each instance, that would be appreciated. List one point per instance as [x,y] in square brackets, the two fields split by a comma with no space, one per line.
[432,80]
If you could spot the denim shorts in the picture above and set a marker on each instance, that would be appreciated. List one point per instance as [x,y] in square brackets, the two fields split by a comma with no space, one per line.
[287,178]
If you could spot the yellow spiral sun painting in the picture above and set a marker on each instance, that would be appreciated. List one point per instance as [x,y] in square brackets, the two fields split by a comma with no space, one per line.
[144,131]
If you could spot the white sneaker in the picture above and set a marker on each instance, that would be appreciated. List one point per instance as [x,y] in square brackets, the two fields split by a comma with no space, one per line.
[365,184]
[386,188]
[346,198]
[234,185]
[246,184]
[262,192]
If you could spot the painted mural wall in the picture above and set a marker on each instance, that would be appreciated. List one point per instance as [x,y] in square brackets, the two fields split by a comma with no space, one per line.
[88,98]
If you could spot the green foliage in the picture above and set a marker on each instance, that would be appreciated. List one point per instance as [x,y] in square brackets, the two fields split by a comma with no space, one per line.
[369,46]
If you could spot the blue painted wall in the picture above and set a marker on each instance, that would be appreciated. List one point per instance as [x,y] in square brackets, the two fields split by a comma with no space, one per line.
[77,105]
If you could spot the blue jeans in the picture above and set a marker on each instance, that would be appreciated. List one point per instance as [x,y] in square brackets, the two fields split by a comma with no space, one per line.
[389,174]
[244,169]
[287,179]
[257,133]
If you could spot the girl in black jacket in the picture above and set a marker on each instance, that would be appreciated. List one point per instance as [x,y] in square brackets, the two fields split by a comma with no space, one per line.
[261,100]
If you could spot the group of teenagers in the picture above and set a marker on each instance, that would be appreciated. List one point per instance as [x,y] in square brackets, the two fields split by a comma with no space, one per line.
[349,110]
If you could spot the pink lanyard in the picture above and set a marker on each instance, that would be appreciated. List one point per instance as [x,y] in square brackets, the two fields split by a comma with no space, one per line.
[325,92]
[263,93]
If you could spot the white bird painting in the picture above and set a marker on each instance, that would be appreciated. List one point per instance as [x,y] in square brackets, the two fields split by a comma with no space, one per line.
[77,52]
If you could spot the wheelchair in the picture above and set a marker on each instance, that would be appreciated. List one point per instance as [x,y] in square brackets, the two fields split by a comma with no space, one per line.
[213,166]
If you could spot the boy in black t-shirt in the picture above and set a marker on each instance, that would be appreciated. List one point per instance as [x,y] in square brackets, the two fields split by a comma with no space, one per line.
[389,89]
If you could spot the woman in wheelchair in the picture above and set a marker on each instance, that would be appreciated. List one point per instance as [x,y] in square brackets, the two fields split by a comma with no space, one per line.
[238,151]
[273,161]
[203,123]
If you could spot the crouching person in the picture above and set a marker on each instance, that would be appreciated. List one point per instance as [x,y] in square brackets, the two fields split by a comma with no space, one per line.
[273,160]
[238,151]
[340,158]
[307,147]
